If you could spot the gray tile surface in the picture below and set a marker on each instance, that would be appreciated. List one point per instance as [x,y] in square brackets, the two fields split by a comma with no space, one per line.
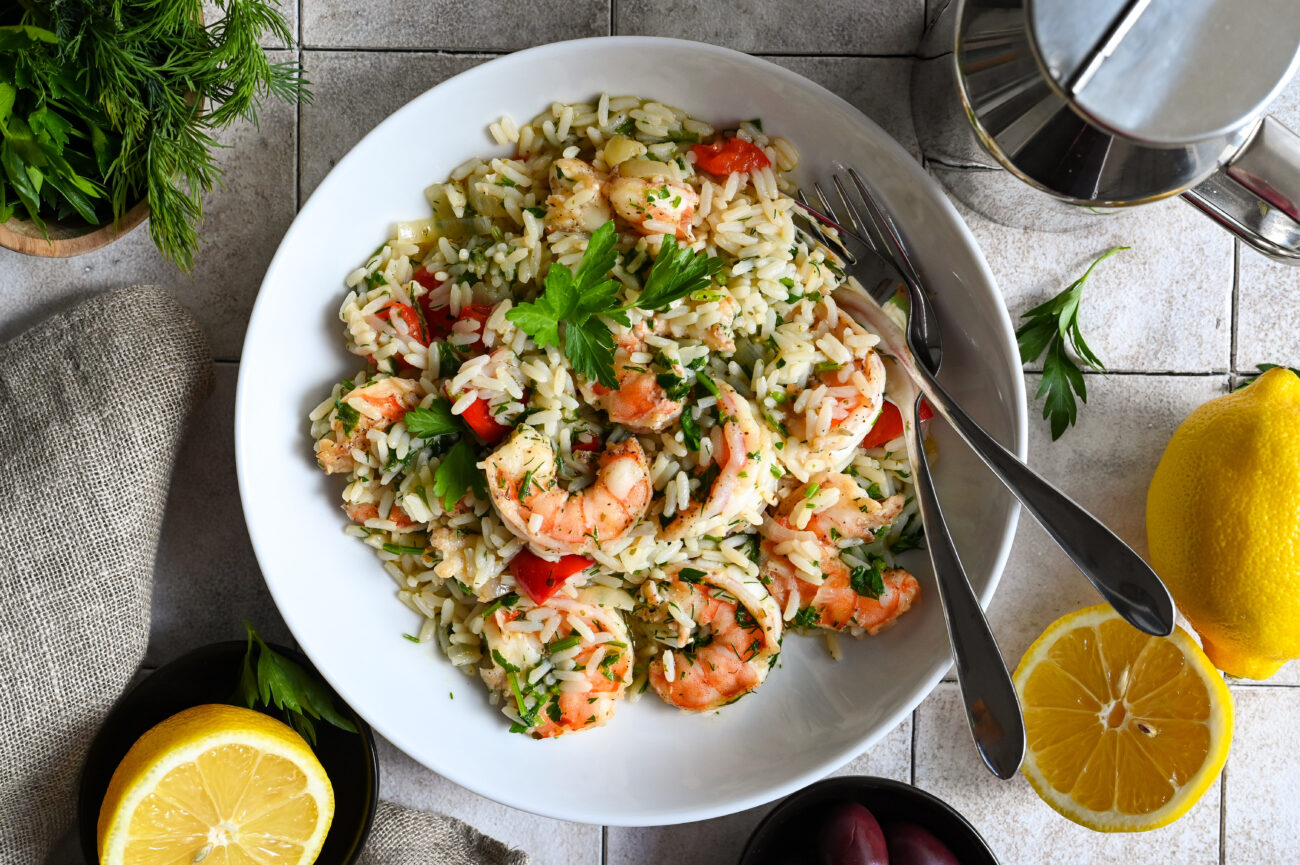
[206,580]
[877,87]
[780,27]
[1019,827]
[721,840]
[354,91]
[547,842]
[462,25]
[1262,813]
[1105,464]
[1267,330]
[1163,305]
[244,224]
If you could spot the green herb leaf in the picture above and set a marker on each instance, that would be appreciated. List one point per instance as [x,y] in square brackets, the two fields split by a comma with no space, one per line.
[280,683]
[694,576]
[436,420]
[676,272]
[806,618]
[869,580]
[457,474]
[1048,329]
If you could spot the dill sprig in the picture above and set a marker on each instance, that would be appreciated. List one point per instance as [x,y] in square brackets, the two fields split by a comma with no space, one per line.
[159,84]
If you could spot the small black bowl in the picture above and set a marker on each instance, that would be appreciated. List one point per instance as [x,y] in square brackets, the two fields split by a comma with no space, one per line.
[209,675]
[786,834]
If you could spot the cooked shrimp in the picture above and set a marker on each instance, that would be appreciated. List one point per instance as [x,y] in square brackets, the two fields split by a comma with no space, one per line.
[572,681]
[741,448]
[577,201]
[525,488]
[640,402]
[839,403]
[723,633]
[720,336]
[653,205]
[802,562]
[377,405]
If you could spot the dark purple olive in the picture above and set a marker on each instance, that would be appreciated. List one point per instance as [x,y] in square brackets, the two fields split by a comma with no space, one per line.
[911,845]
[851,836]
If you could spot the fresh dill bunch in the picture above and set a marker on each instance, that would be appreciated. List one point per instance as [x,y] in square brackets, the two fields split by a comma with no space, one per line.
[167,84]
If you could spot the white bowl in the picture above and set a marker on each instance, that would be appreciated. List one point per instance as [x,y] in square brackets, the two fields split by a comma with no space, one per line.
[652,764]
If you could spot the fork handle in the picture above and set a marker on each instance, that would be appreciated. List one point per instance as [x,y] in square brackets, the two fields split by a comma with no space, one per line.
[992,709]
[1121,576]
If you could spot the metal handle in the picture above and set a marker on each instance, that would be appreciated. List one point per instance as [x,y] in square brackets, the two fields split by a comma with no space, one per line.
[1256,195]
[992,708]
[1118,573]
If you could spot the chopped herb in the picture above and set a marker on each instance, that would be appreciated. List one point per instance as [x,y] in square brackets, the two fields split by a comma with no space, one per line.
[565,643]
[553,711]
[457,474]
[436,420]
[907,541]
[675,387]
[347,415]
[505,601]
[745,618]
[869,580]
[539,212]
[694,576]
[806,617]
[707,383]
[757,123]
[875,492]
[400,550]
[412,639]
[503,663]
[827,366]
[690,430]
[508,183]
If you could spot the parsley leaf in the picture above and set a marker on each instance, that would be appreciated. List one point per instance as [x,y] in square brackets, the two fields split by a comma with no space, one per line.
[869,580]
[1049,327]
[279,682]
[677,271]
[347,415]
[579,299]
[806,618]
[457,474]
[436,420]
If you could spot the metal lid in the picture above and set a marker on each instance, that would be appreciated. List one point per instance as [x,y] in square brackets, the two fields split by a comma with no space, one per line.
[1168,71]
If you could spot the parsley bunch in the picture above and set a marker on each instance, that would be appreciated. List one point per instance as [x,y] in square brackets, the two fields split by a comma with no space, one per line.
[579,300]
[103,102]
[1050,327]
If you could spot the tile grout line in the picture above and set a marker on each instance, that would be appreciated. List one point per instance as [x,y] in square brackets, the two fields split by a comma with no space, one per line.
[1223,816]
[297,127]
[613,13]
[912,757]
[1236,292]
[604,846]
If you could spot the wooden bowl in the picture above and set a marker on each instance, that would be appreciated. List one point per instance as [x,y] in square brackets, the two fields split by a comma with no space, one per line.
[68,237]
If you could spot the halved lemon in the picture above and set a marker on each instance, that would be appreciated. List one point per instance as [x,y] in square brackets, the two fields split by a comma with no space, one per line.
[1126,731]
[219,785]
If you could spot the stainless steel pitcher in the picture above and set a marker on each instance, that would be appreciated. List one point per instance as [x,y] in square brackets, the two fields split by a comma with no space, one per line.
[1106,104]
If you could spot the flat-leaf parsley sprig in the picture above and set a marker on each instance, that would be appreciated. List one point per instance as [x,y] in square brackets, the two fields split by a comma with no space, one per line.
[277,682]
[1050,327]
[458,470]
[579,300]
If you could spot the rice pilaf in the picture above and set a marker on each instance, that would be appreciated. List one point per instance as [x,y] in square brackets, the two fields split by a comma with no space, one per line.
[614,433]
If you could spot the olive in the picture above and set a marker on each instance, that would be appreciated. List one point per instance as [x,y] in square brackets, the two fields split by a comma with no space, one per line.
[851,836]
[909,844]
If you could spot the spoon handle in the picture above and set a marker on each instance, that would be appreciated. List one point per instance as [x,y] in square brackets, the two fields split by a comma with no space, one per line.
[992,709]
[1121,576]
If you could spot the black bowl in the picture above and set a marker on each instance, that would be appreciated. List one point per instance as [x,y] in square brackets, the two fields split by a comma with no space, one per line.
[208,675]
[786,834]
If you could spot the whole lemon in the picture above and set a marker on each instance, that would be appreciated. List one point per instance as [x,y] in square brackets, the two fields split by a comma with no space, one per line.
[1223,524]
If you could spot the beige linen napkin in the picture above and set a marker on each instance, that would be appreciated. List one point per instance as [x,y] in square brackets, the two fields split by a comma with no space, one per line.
[93,406]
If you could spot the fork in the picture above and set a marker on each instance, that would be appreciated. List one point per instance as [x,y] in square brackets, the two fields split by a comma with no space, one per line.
[992,708]
[1121,576]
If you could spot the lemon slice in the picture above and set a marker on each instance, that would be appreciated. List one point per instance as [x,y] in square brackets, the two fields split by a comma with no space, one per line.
[219,785]
[1126,731]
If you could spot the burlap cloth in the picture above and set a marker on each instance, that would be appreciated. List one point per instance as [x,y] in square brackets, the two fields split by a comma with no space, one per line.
[93,406]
